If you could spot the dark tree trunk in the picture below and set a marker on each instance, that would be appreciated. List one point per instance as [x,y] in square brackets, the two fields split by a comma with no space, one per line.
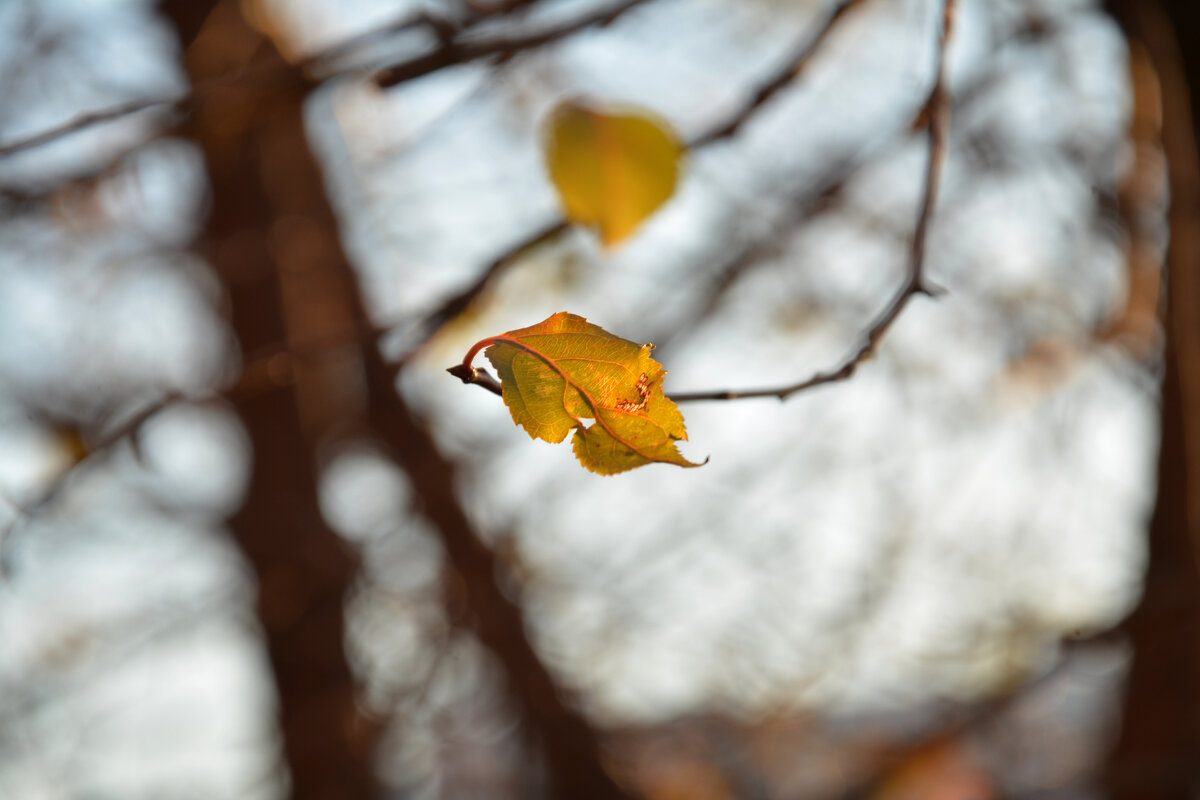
[273,239]
[1157,755]
[271,236]
[571,749]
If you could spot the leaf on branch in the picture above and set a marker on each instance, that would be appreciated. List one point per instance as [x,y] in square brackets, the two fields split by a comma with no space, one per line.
[561,371]
[612,170]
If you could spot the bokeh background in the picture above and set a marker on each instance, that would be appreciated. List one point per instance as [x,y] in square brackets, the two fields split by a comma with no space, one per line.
[256,543]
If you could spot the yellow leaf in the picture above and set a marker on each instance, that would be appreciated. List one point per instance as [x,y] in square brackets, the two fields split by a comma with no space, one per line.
[563,370]
[612,170]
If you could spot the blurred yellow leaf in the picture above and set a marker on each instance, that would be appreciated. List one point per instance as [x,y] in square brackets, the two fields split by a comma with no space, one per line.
[612,170]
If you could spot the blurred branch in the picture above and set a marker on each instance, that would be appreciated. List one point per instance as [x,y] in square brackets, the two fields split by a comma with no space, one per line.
[977,716]
[89,450]
[454,51]
[456,304]
[107,643]
[570,745]
[477,595]
[937,109]
[792,66]
[568,742]
[443,27]
[87,120]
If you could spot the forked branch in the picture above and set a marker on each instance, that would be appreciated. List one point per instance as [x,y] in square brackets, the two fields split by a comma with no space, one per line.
[937,111]
[452,49]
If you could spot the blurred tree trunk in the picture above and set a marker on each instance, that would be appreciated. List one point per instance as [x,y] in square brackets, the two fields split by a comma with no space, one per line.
[1157,756]
[273,239]
[270,236]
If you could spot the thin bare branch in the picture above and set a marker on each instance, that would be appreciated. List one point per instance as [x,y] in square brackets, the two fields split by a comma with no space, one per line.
[443,27]
[459,302]
[87,120]
[460,52]
[791,68]
[937,108]
[127,430]
[452,50]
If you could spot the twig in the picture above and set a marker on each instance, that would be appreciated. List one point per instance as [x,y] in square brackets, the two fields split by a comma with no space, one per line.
[478,376]
[86,121]
[441,27]
[795,63]
[451,51]
[128,429]
[457,52]
[444,28]
[24,512]
[937,108]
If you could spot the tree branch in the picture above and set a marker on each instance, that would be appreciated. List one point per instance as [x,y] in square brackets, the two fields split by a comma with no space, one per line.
[796,62]
[458,52]
[128,429]
[459,302]
[444,28]
[937,108]
[450,52]
[86,121]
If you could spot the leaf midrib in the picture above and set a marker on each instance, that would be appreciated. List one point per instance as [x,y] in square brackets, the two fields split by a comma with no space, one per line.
[585,395]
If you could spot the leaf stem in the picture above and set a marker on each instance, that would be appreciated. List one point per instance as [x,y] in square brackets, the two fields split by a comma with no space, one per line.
[467,373]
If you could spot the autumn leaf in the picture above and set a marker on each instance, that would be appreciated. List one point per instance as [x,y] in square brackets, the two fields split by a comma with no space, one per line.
[557,373]
[612,170]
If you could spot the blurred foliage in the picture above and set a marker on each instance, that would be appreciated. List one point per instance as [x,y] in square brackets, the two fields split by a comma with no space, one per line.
[612,168]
